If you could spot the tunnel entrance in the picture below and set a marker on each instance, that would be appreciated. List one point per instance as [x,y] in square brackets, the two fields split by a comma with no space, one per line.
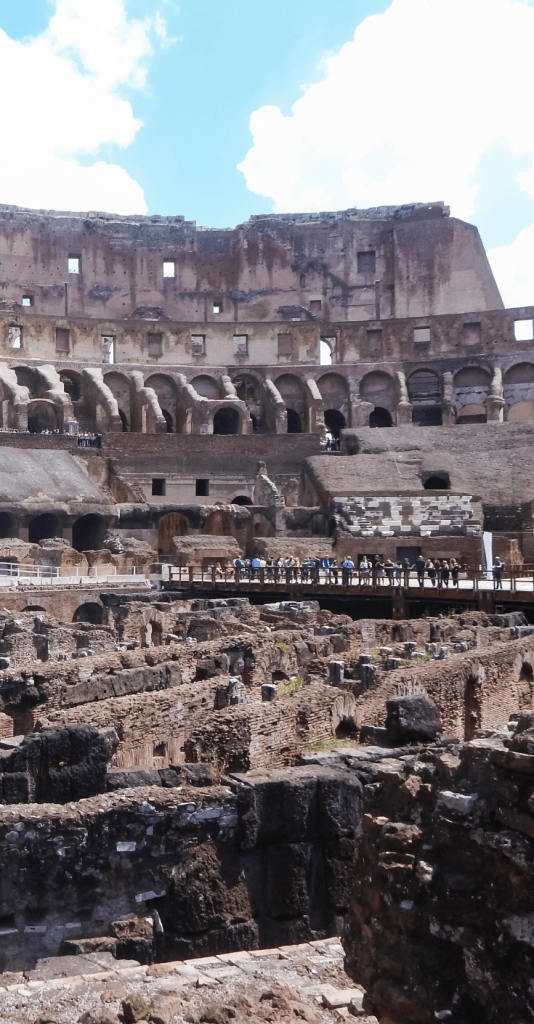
[90,612]
[294,426]
[334,421]
[226,421]
[44,526]
[380,418]
[88,533]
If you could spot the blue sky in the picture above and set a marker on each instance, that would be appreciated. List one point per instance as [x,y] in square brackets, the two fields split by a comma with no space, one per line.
[152,106]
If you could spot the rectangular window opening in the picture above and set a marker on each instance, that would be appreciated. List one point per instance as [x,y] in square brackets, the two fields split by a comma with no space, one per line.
[27,300]
[62,340]
[202,488]
[374,342]
[241,344]
[421,338]
[366,262]
[523,330]
[471,334]
[169,268]
[217,307]
[315,305]
[158,486]
[15,336]
[108,348]
[155,345]
[198,345]
[74,264]
[285,345]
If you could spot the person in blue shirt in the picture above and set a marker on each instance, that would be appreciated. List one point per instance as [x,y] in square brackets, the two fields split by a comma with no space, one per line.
[348,568]
[255,566]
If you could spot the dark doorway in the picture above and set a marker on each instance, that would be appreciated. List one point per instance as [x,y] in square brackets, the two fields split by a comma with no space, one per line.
[226,421]
[89,612]
[168,421]
[124,421]
[44,526]
[88,533]
[380,418]
[472,715]
[241,500]
[7,525]
[437,482]
[334,421]
[429,417]
[294,426]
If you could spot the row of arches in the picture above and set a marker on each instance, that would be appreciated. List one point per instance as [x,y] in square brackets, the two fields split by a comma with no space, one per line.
[88,532]
[471,386]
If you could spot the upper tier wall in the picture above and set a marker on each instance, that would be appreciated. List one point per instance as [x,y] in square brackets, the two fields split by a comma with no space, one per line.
[356,265]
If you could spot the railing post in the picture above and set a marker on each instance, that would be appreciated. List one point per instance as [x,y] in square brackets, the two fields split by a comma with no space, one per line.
[262,576]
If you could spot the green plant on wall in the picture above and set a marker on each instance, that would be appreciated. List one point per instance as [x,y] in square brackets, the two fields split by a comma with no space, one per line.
[291,687]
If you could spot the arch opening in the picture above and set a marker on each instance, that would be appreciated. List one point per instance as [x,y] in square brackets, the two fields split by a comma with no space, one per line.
[88,533]
[171,525]
[347,729]
[124,421]
[294,425]
[42,415]
[334,422]
[242,499]
[226,421]
[8,526]
[168,420]
[437,482]
[380,417]
[43,527]
[218,524]
[90,612]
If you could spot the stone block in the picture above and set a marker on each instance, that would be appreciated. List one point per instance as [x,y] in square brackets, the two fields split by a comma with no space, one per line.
[412,719]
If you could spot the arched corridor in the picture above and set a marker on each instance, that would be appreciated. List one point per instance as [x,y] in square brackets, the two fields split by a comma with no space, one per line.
[44,526]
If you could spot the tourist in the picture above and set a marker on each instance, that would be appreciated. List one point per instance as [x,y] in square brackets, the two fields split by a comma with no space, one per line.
[255,567]
[445,572]
[388,567]
[498,567]
[347,566]
[419,566]
[333,571]
[305,570]
[398,569]
[379,571]
[431,571]
[455,568]
[238,565]
[365,571]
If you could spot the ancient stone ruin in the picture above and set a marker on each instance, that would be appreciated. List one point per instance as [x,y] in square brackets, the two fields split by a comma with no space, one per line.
[246,774]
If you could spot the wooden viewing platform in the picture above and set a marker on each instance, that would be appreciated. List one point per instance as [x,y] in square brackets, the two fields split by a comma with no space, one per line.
[474,587]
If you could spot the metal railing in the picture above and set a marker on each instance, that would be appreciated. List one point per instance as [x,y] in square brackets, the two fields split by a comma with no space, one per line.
[265,578]
[46,571]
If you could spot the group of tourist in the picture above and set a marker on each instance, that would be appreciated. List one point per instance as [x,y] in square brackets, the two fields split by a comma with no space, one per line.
[370,571]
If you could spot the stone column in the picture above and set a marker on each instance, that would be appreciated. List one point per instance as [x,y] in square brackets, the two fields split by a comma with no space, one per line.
[495,401]
[448,408]
[404,406]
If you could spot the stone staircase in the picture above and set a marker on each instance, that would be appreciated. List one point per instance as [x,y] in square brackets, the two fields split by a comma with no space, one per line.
[401,515]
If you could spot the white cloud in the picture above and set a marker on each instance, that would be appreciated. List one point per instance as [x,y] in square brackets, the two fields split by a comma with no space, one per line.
[404,113]
[64,102]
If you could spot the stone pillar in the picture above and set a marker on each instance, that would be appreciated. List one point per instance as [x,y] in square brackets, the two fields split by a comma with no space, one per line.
[404,406]
[495,401]
[448,408]
[336,672]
